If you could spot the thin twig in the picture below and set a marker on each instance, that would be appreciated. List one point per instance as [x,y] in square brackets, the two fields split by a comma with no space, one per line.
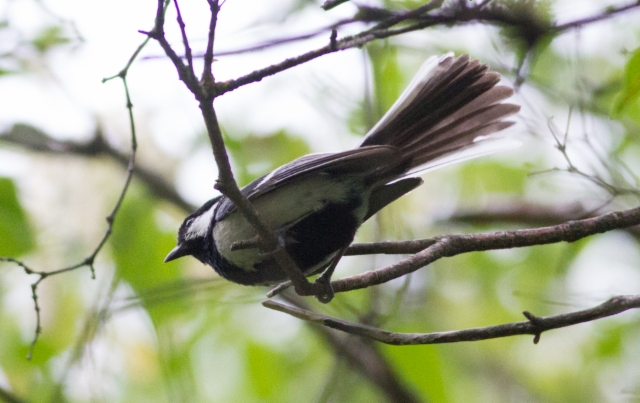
[207,73]
[533,326]
[134,56]
[90,259]
[270,43]
[608,13]
[422,19]
[185,39]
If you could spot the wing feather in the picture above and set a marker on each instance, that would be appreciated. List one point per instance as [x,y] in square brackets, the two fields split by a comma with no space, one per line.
[362,161]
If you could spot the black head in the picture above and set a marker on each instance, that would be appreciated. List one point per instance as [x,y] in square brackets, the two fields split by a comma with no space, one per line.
[194,236]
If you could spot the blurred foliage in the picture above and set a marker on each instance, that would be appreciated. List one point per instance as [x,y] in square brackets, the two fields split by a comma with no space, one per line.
[255,156]
[50,37]
[531,30]
[627,103]
[387,77]
[22,51]
[15,231]
[139,247]
[170,333]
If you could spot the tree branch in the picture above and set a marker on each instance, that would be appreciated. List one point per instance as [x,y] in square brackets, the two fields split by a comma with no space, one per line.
[607,13]
[185,39]
[429,250]
[35,140]
[455,14]
[534,326]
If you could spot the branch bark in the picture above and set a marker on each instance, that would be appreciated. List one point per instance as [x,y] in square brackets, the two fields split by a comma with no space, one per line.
[427,251]
[533,326]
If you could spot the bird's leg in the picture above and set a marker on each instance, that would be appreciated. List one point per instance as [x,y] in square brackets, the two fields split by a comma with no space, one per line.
[324,280]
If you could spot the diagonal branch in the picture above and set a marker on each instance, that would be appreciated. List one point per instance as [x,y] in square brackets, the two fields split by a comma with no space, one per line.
[35,140]
[185,39]
[606,14]
[534,326]
[422,18]
[207,74]
[429,250]
[187,76]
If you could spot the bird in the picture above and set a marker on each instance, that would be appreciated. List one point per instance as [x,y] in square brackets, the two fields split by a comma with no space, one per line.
[316,203]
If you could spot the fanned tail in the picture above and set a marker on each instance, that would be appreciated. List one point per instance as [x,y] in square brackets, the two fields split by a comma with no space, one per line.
[448,105]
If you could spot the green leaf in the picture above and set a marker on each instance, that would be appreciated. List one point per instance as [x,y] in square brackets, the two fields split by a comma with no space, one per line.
[139,248]
[16,236]
[627,102]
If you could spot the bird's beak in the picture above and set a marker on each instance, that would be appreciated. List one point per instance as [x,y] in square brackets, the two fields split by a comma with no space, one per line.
[177,252]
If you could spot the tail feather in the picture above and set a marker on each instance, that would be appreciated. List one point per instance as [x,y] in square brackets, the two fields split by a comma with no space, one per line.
[464,124]
[444,110]
[424,155]
[491,97]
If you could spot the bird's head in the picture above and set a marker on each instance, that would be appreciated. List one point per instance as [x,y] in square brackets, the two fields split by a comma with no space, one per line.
[194,236]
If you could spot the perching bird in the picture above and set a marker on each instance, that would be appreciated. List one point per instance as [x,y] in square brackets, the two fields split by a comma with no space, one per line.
[316,203]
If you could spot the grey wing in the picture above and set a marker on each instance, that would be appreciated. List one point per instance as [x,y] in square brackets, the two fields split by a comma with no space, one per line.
[359,161]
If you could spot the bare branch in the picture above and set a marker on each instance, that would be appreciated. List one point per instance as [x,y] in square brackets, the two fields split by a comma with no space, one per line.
[421,18]
[35,140]
[452,245]
[529,214]
[608,13]
[185,39]
[157,33]
[207,74]
[534,326]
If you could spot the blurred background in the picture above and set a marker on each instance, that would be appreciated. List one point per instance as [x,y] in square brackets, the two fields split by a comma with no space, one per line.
[144,331]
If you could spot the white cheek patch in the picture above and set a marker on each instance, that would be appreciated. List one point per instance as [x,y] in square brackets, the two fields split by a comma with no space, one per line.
[200,225]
